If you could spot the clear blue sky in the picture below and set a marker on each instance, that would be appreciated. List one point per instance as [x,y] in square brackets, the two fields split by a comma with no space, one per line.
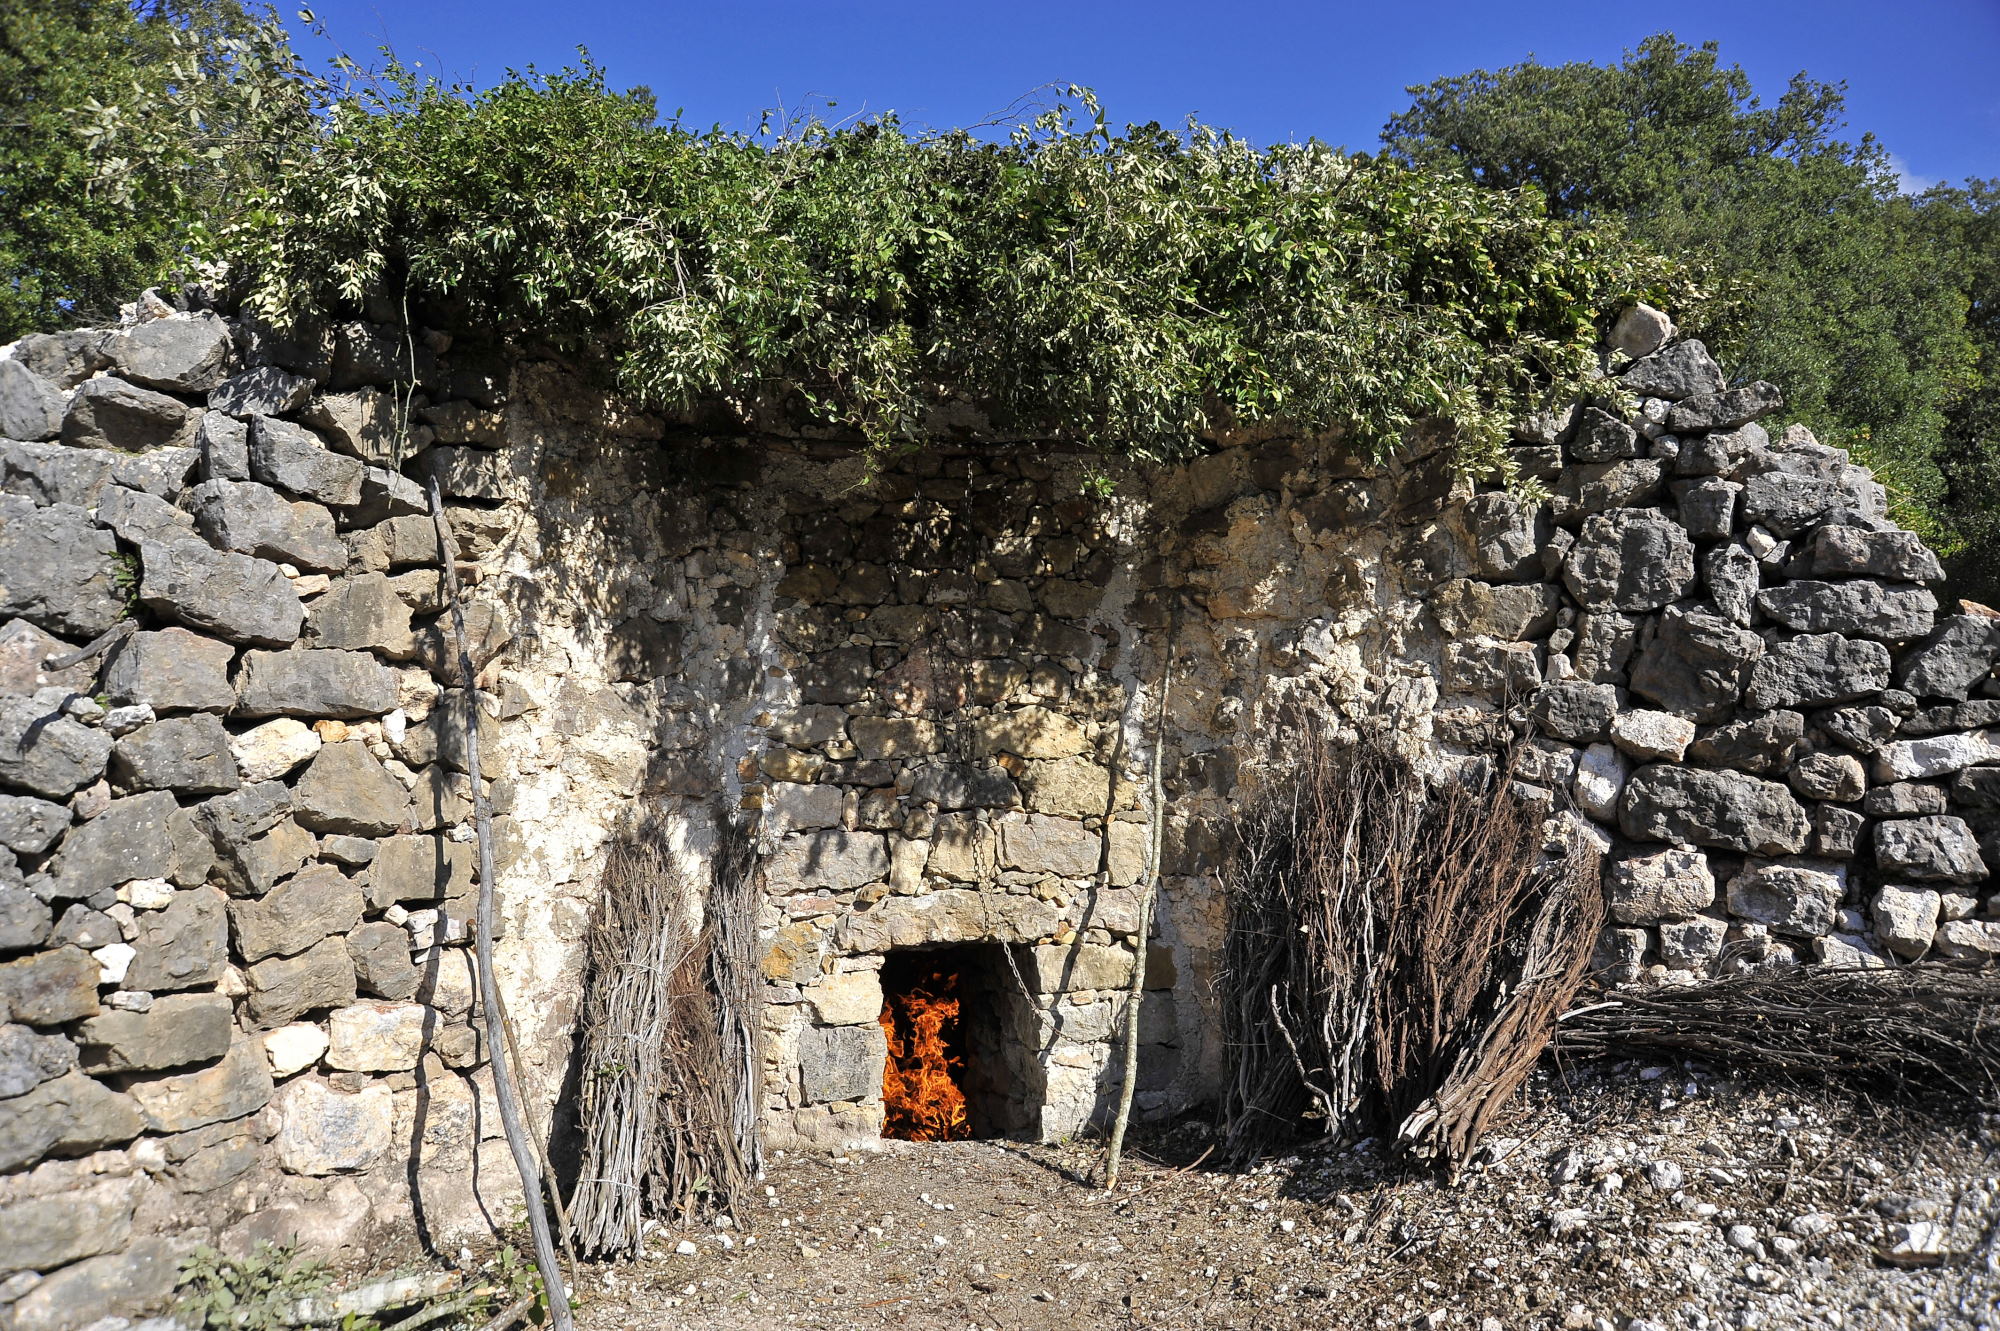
[1923,75]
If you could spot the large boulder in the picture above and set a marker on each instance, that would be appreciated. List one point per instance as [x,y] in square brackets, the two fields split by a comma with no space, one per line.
[171,670]
[1725,810]
[58,569]
[254,519]
[180,353]
[1888,612]
[292,458]
[1695,664]
[110,413]
[237,597]
[1634,559]
[1812,670]
[314,682]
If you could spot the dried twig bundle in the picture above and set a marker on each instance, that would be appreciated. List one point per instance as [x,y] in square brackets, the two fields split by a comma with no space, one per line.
[1398,954]
[1914,1031]
[660,1083]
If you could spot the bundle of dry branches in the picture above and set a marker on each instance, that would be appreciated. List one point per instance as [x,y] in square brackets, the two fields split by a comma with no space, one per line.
[660,1096]
[1913,1031]
[1398,954]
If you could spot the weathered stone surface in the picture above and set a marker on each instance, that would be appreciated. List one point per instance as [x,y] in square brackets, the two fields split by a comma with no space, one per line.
[1933,849]
[1651,886]
[949,915]
[182,353]
[1958,655]
[1508,612]
[1690,806]
[27,1059]
[1602,437]
[296,1047]
[1507,536]
[295,914]
[362,613]
[314,682]
[58,570]
[841,1062]
[25,918]
[1605,641]
[1731,576]
[1692,944]
[135,517]
[223,443]
[1601,772]
[128,840]
[422,868]
[1969,940]
[55,473]
[1495,670]
[1828,776]
[237,597]
[1904,799]
[1725,410]
[387,496]
[1651,736]
[68,1115]
[837,860]
[189,754]
[1707,507]
[1682,370]
[1855,552]
[1789,897]
[1640,329]
[29,826]
[346,790]
[177,1030]
[469,473]
[292,458]
[1037,843]
[1938,755]
[963,786]
[284,987]
[45,752]
[254,519]
[323,1131]
[264,391]
[1575,711]
[378,1036]
[67,358]
[1888,612]
[31,408]
[382,965]
[892,736]
[110,413]
[1695,664]
[848,999]
[1073,788]
[1978,787]
[1630,560]
[108,1289]
[1813,670]
[270,751]
[1789,503]
[362,424]
[1906,919]
[183,946]
[49,988]
[1029,732]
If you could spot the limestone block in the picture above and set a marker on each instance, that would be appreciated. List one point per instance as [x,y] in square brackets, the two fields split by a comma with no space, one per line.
[250,868]
[1888,612]
[382,965]
[892,736]
[323,1131]
[841,1062]
[184,946]
[46,753]
[177,1030]
[1682,370]
[1051,969]
[27,1059]
[1601,772]
[1692,944]
[837,860]
[264,391]
[171,670]
[110,1288]
[63,571]
[1695,664]
[1855,552]
[345,790]
[186,754]
[1037,843]
[292,458]
[1936,755]
[362,612]
[1029,732]
[1815,669]
[964,849]
[44,1233]
[361,424]
[238,1084]
[254,519]
[792,807]
[270,751]
[1725,410]
[378,1036]
[1837,777]
[1128,847]
[1574,710]
[49,988]
[110,413]
[951,915]
[1937,848]
[1509,612]
[847,999]
[1789,897]
[128,840]
[1789,503]
[296,914]
[316,683]
[1652,736]
[1906,919]
[1485,668]
[963,786]
[30,406]
[67,1115]
[793,953]
[421,868]
[1651,886]
[238,597]
[181,353]
[1958,655]
[1597,487]
[1690,806]
[294,1048]
[284,987]
[1969,940]
[1848,952]
[1630,560]
[1759,744]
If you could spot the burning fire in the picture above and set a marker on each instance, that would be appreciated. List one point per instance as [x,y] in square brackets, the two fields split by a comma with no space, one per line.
[920,1092]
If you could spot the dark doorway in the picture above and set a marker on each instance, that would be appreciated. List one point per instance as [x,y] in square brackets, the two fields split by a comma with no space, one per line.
[963,1045]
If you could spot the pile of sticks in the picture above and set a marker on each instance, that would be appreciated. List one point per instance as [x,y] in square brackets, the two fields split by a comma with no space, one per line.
[1921,1031]
[1398,953]
[662,1097]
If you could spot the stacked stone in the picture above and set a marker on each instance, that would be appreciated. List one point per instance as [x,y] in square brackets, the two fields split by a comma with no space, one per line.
[237,876]
[944,772]
[1736,668]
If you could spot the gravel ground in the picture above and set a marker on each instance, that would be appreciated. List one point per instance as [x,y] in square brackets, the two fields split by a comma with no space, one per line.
[1631,1197]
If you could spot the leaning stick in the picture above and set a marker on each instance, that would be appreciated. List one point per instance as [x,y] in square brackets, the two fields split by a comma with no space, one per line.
[489,985]
[1153,848]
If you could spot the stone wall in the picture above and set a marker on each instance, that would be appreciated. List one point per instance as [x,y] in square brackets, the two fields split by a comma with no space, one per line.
[236,992]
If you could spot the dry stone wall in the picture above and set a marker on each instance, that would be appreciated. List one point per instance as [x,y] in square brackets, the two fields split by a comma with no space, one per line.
[234,986]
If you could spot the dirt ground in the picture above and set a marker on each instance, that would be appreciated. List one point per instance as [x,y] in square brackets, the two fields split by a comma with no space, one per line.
[1622,1197]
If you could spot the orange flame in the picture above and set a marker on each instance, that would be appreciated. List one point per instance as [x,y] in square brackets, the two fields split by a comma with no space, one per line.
[920,1091]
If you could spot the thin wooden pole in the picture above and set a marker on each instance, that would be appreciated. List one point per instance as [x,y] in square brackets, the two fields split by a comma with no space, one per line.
[1154,844]
[497,1043]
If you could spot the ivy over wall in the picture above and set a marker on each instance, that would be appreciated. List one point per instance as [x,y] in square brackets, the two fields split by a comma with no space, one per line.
[1131,290]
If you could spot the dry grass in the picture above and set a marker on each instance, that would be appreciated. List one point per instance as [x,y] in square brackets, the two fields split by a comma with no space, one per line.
[1398,953]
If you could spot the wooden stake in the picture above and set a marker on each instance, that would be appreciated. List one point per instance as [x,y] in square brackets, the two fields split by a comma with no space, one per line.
[497,1042]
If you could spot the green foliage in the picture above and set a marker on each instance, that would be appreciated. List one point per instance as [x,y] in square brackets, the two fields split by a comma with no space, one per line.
[1132,289]
[1832,285]
[118,121]
[253,1293]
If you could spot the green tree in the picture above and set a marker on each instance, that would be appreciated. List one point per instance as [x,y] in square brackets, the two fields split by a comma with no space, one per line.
[119,122]
[1836,287]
